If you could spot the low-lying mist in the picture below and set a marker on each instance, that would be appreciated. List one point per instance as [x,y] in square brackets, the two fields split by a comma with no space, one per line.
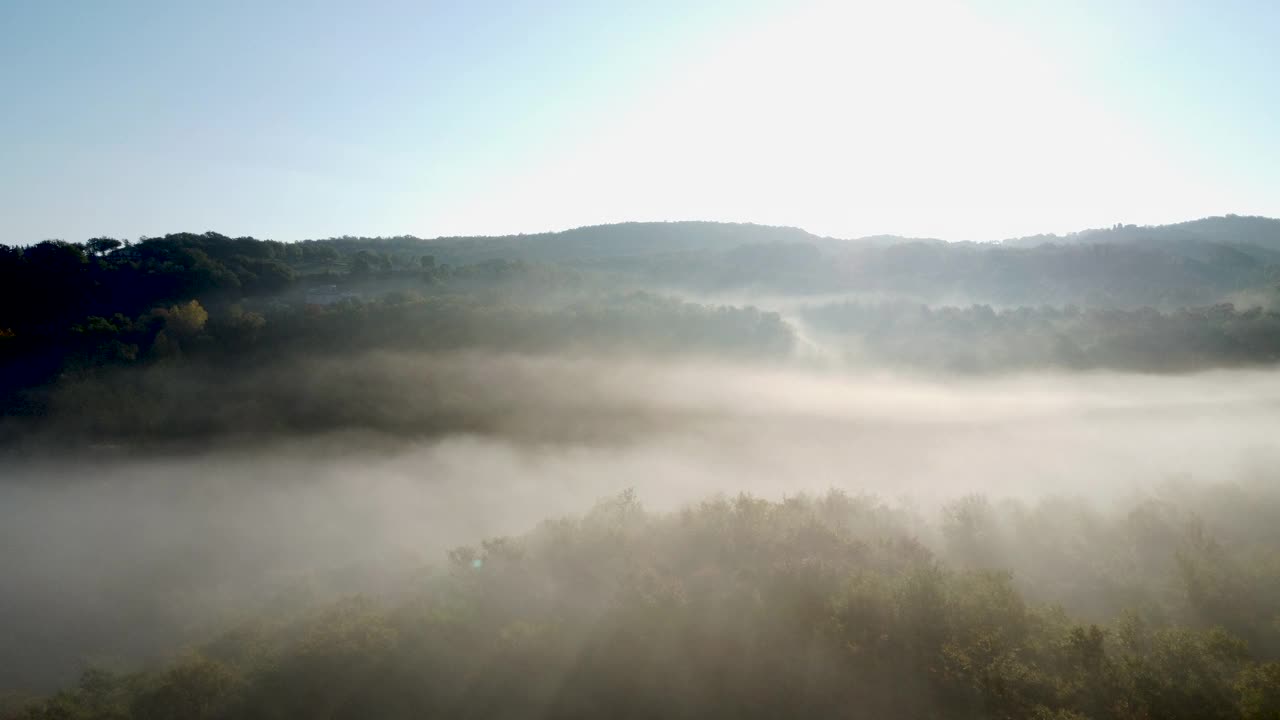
[282,486]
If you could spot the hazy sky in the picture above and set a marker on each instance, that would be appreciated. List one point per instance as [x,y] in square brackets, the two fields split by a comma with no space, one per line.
[963,120]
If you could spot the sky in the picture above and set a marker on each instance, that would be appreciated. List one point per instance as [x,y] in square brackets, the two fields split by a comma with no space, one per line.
[958,119]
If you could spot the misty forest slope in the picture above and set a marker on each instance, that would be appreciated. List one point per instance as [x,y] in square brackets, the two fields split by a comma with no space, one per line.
[1175,298]
[1164,265]
[878,477]
[819,607]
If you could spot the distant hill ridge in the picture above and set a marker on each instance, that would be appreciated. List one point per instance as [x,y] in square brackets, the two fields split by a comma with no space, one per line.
[701,235]
[1197,262]
[1219,259]
[1262,232]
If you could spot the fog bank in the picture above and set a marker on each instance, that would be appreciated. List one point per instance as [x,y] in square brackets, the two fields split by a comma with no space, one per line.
[103,542]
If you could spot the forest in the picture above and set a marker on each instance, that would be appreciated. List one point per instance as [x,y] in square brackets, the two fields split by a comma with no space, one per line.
[830,606]
[520,360]
[642,470]
[1174,298]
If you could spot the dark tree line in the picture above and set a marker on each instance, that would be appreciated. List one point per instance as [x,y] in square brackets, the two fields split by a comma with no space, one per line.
[81,316]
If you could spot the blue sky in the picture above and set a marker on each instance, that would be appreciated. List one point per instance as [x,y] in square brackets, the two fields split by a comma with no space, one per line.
[959,119]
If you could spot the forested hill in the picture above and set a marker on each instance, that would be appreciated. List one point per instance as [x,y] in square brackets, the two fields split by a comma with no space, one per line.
[585,244]
[1195,263]
[1259,233]
[1199,262]
[1139,302]
[1252,235]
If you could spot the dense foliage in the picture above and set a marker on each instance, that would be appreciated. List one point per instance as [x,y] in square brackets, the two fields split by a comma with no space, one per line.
[79,323]
[979,337]
[70,311]
[821,607]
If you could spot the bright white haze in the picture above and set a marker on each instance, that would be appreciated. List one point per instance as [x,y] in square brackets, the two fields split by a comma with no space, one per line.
[960,119]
